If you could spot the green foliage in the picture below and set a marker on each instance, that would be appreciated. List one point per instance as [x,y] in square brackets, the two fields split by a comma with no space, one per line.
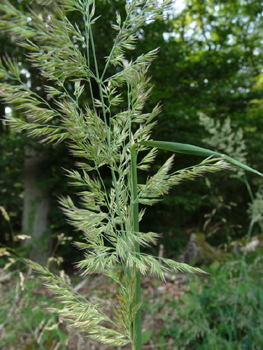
[224,312]
[221,311]
[108,129]
[210,62]
[225,138]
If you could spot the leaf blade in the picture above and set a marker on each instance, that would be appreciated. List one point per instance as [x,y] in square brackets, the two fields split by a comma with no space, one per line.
[195,150]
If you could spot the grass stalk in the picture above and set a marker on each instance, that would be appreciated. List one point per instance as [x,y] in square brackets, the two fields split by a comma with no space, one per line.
[99,81]
[137,338]
[87,21]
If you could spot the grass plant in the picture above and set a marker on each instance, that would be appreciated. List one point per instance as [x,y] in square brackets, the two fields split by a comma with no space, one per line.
[109,130]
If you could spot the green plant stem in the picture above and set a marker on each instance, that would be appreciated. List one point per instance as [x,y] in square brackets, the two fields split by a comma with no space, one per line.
[117,41]
[137,338]
[106,124]
[87,20]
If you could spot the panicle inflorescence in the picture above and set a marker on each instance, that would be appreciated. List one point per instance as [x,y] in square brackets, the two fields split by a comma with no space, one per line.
[100,132]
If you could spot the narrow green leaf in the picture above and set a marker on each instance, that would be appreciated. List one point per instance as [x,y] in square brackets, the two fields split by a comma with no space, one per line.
[181,148]
[195,150]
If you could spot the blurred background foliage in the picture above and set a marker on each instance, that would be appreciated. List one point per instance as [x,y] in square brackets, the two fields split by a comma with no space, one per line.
[210,61]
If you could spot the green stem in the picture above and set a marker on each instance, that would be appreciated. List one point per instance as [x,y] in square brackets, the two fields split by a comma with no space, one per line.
[106,126]
[137,338]
[117,41]
[87,24]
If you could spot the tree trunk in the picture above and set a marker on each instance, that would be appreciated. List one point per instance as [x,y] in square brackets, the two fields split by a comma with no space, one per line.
[35,208]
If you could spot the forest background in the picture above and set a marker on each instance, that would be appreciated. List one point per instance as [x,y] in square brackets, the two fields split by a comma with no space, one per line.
[210,62]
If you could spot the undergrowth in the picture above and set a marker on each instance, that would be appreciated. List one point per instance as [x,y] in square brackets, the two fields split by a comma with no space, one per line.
[222,311]
[25,322]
